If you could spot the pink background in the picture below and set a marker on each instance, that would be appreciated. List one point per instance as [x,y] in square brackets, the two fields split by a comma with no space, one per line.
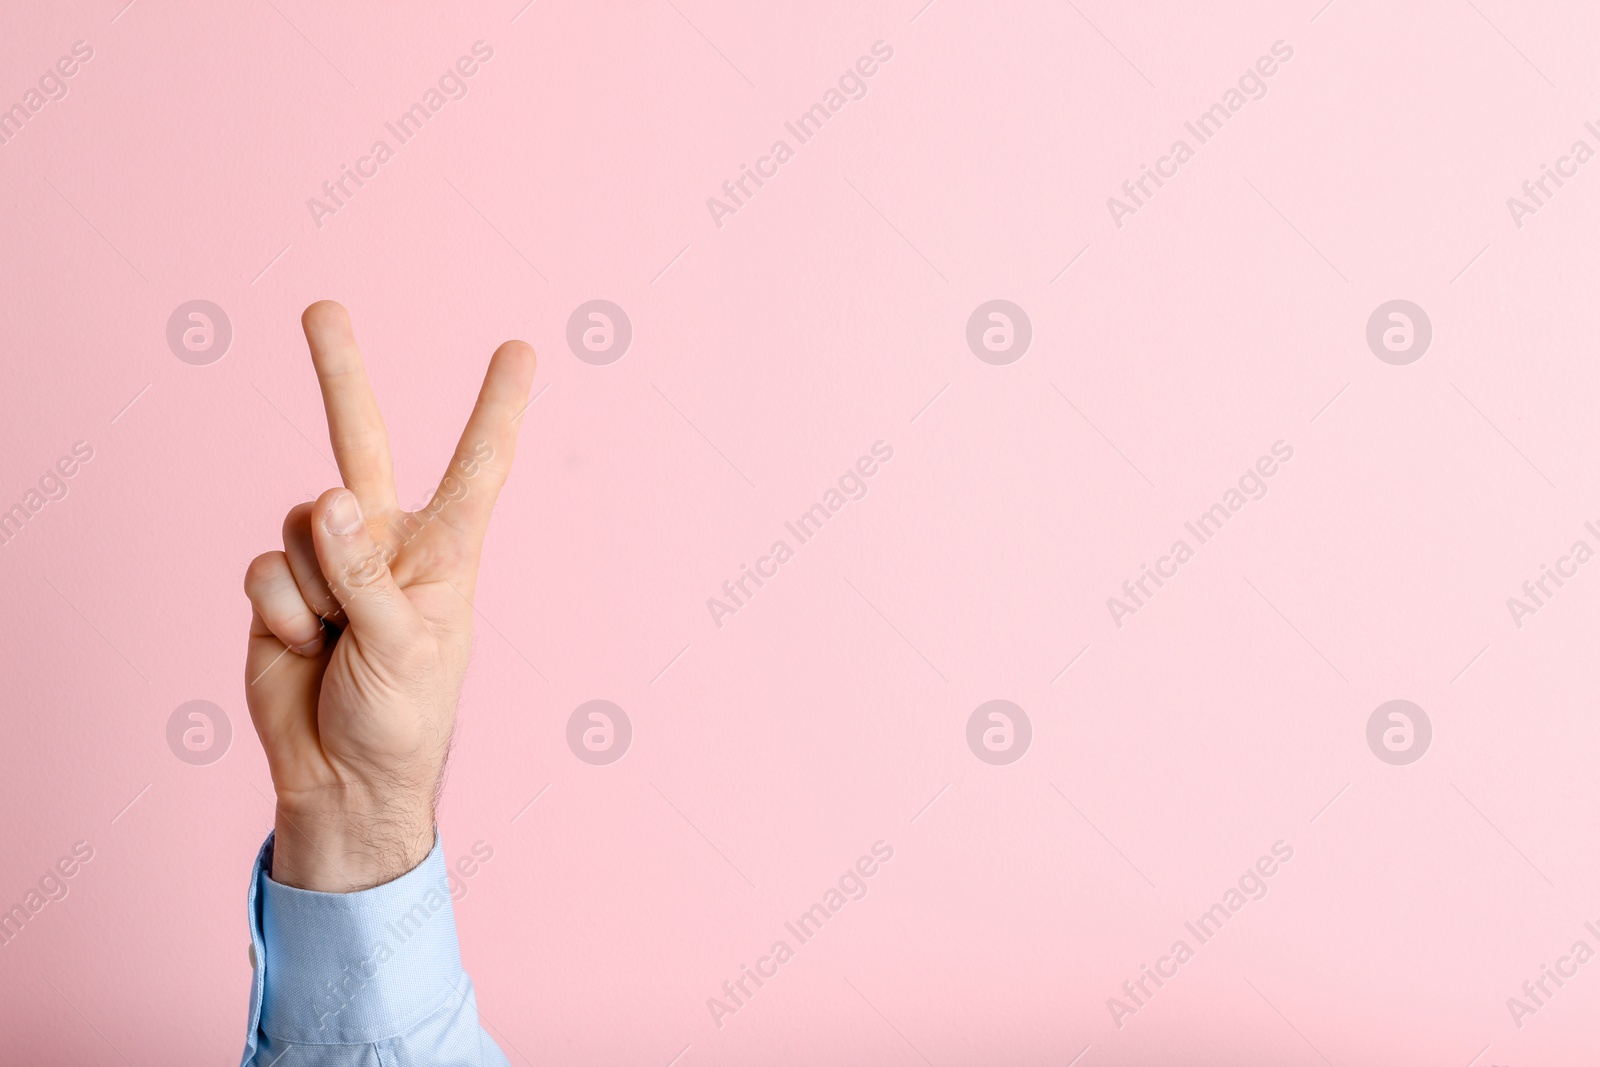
[769,353]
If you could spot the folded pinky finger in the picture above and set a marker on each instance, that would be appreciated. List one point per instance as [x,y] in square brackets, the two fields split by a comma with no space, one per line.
[270,585]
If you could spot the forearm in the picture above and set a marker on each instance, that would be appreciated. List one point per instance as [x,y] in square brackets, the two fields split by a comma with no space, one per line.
[354,846]
[364,977]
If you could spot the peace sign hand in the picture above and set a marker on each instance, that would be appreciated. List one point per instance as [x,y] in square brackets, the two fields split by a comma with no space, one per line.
[361,628]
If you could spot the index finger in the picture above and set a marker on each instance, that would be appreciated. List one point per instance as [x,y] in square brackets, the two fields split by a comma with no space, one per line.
[355,425]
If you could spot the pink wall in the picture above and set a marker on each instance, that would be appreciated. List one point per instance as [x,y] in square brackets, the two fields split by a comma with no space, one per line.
[1173,347]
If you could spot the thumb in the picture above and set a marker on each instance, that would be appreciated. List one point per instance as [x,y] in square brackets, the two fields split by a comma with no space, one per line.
[357,570]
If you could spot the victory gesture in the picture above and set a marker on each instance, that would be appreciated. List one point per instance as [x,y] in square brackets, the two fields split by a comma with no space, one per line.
[361,627]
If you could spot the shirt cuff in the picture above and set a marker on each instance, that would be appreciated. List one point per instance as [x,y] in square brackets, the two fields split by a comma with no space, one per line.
[353,968]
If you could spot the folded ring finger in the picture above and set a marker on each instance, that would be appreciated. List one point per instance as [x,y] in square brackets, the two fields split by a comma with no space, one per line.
[279,607]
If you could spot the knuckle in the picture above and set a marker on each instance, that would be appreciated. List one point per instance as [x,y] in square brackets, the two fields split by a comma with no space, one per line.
[453,554]
[365,572]
[358,441]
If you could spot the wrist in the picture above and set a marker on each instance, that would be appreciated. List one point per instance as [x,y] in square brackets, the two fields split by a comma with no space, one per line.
[348,851]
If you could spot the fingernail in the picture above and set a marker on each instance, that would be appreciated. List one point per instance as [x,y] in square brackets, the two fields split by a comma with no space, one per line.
[310,648]
[343,516]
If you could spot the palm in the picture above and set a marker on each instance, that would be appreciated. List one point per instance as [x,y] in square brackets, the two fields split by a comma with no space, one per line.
[387,608]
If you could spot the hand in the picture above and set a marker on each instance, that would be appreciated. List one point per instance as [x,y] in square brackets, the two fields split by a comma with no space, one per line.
[361,628]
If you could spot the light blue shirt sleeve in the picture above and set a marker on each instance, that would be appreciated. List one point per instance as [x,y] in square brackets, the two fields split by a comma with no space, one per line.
[368,979]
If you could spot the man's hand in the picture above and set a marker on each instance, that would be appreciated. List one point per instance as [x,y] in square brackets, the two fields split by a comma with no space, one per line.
[362,626]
